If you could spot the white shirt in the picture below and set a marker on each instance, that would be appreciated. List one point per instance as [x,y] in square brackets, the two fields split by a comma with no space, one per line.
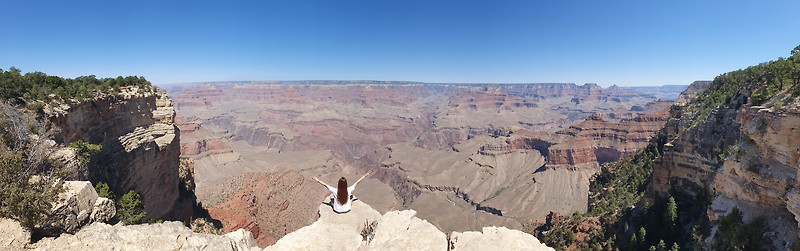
[338,207]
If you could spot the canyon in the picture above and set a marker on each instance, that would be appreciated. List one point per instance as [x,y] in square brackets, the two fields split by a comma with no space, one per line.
[463,156]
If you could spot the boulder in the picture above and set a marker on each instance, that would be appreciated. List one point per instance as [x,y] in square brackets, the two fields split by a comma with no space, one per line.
[72,211]
[104,210]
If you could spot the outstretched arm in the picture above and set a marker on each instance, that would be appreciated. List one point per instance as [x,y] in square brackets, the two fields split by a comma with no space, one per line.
[323,183]
[362,178]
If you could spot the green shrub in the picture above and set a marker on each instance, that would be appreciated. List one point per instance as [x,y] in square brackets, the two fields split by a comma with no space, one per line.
[37,107]
[85,150]
[777,106]
[753,167]
[733,234]
[131,210]
[104,191]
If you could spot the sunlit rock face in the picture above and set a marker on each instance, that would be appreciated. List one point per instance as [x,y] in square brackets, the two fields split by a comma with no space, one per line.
[141,146]
[363,228]
[748,158]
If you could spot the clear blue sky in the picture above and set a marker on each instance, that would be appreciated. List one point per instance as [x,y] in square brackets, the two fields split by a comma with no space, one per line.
[606,42]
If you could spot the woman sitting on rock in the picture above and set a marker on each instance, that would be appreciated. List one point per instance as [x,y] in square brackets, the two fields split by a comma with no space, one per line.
[343,195]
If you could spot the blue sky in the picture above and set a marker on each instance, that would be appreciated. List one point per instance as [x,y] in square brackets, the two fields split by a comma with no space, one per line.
[606,42]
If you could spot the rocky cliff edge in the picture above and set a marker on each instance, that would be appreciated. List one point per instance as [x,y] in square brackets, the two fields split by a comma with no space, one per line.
[363,228]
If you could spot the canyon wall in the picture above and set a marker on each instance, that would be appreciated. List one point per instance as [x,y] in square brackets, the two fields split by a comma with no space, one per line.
[141,147]
[745,157]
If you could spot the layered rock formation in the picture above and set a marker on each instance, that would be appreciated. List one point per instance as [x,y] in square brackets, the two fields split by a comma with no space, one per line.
[596,140]
[141,146]
[464,156]
[744,157]
[761,177]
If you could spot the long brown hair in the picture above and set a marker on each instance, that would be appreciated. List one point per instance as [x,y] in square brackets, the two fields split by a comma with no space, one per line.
[341,194]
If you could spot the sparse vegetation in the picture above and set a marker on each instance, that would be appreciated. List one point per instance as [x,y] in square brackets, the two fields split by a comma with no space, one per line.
[29,178]
[762,81]
[368,232]
[559,236]
[620,184]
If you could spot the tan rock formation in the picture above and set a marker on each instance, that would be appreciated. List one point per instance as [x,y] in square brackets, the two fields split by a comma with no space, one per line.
[141,146]
[599,141]
[332,231]
[78,206]
[495,238]
[164,236]
[400,230]
[395,230]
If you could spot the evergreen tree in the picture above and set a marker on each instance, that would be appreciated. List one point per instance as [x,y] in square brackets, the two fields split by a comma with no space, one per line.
[131,208]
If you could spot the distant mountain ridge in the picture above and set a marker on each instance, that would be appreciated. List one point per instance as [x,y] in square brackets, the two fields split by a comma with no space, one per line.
[665,91]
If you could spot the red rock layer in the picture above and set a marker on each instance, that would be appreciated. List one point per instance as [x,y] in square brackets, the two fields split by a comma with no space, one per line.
[602,141]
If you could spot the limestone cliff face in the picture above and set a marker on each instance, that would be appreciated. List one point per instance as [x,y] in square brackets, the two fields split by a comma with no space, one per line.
[761,177]
[691,159]
[747,158]
[141,146]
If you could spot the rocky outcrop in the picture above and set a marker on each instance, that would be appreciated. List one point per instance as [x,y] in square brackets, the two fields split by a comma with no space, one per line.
[395,230]
[141,146]
[164,236]
[78,206]
[495,238]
